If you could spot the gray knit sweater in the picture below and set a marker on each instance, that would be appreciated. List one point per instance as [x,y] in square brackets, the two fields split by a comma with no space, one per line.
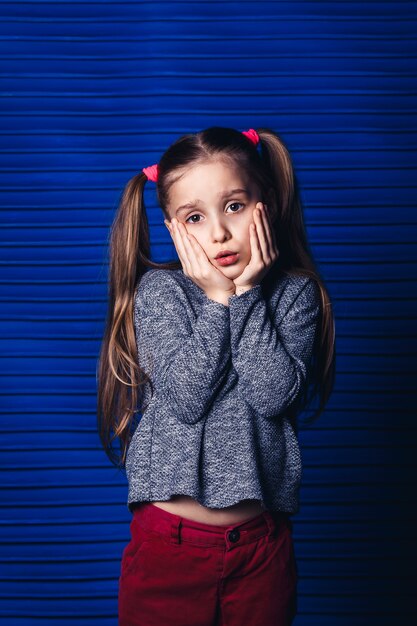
[215,428]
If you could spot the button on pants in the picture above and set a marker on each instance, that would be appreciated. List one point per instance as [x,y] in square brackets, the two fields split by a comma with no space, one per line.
[178,572]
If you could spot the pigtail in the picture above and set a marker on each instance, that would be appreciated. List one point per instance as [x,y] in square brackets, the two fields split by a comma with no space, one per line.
[120,379]
[296,258]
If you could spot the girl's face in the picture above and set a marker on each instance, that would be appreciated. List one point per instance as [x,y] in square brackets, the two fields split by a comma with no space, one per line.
[220,203]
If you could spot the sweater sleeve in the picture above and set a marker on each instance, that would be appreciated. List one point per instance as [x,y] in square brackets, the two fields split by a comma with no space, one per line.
[271,357]
[186,359]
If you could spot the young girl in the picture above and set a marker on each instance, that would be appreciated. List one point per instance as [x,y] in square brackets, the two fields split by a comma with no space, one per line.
[218,352]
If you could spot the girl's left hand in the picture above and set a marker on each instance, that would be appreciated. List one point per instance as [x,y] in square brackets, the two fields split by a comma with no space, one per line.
[264,250]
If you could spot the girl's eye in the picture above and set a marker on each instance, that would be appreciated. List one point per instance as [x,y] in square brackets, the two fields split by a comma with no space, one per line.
[188,218]
[197,215]
[234,204]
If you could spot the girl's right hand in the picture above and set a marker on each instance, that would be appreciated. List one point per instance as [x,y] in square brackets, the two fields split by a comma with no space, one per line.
[196,265]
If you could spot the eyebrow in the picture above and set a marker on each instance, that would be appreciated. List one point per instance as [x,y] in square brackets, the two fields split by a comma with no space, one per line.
[226,194]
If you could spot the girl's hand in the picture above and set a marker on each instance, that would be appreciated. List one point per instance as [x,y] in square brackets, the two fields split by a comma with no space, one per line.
[264,250]
[196,265]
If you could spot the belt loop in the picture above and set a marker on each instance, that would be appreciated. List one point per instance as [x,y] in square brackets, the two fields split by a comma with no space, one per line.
[175,529]
[272,524]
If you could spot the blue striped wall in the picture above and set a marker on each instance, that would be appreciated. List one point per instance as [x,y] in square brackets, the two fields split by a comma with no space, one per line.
[92,92]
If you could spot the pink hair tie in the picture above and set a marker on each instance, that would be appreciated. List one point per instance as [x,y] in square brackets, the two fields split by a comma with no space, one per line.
[252,135]
[151,172]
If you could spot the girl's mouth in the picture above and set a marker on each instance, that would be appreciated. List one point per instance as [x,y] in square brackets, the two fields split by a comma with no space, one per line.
[228,260]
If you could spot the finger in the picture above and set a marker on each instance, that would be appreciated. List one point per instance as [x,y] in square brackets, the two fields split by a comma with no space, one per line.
[268,230]
[193,261]
[182,245]
[179,244]
[200,255]
[261,230]
[267,220]
[169,226]
[256,252]
[271,227]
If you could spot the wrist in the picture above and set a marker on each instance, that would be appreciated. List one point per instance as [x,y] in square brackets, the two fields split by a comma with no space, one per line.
[219,296]
[242,289]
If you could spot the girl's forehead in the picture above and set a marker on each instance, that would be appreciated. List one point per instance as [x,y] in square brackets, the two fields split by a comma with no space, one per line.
[213,178]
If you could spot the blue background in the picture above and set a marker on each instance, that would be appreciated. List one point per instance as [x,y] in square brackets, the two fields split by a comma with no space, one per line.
[90,94]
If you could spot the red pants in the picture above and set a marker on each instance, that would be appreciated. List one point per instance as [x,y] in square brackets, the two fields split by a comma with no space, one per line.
[177,572]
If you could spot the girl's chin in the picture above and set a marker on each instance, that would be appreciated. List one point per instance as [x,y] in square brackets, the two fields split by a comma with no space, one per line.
[232,271]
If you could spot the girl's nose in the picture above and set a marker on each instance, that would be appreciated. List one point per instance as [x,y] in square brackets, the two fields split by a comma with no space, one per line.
[219,230]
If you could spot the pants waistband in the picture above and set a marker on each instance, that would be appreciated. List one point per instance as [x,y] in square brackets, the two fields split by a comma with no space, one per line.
[177,529]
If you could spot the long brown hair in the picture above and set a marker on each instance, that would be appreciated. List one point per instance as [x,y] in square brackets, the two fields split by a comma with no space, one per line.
[120,378]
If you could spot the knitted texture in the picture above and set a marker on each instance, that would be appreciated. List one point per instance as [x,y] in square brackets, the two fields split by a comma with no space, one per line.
[215,427]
